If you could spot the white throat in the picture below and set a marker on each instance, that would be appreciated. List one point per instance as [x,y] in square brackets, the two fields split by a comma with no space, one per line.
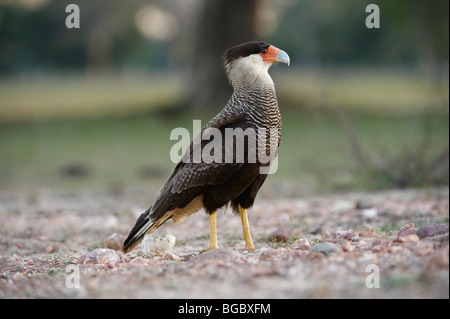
[249,72]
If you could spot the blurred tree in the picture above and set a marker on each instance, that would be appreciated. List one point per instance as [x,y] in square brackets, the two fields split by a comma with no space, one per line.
[222,24]
[109,29]
[428,23]
[37,39]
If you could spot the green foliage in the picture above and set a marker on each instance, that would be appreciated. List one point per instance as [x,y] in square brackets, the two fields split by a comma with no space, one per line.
[319,32]
[324,32]
[37,40]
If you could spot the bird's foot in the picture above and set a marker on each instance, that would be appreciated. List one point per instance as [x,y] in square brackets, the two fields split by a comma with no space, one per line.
[249,247]
[213,232]
[211,247]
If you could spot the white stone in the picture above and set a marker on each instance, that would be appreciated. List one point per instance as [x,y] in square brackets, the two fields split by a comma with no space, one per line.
[370,213]
[100,256]
[152,246]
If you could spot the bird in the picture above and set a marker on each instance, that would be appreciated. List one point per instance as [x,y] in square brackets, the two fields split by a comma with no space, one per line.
[209,184]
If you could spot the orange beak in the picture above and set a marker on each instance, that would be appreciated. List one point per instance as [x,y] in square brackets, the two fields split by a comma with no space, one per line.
[275,55]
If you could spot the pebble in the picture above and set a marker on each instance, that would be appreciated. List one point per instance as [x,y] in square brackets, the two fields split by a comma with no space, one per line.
[355,239]
[115,241]
[367,234]
[370,213]
[49,249]
[406,234]
[280,235]
[363,204]
[346,246]
[432,230]
[407,238]
[99,256]
[343,235]
[152,246]
[363,244]
[406,230]
[302,244]
[325,248]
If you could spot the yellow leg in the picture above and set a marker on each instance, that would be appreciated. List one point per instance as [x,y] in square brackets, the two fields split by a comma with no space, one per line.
[213,231]
[246,227]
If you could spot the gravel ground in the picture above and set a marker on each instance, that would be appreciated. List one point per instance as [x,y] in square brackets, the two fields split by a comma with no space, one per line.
[391,244]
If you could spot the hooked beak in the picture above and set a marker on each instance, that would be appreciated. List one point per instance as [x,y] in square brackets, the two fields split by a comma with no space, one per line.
[283,57]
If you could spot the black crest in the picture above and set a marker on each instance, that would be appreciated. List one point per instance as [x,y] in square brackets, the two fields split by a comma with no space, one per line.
[243,50]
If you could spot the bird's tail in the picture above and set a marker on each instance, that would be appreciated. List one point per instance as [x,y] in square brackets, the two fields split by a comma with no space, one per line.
[144,225]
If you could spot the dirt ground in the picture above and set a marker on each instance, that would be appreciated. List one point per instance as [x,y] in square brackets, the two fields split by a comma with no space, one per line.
[390,244]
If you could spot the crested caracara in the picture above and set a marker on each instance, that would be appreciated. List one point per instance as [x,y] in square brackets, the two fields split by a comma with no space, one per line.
[234,177]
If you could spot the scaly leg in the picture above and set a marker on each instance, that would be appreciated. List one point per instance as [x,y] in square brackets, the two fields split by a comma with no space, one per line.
[246,227]
[213,231]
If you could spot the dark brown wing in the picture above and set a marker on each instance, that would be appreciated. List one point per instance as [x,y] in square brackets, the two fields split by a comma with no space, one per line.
[187,181]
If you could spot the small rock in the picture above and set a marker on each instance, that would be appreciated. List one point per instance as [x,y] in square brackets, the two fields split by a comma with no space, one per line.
[363,244]
[396,249]
[366,234]
[152,246]
[370,213]
[346,246]
[172,257]
[377,245]
[49,249]
[99,256]
[377,242]
[115,241]
[406,231]
[280,235]
[407,239]
[302,244]
[325,248]
[432,230]
[326,234]
[363,204]
[343,235]
[81,259]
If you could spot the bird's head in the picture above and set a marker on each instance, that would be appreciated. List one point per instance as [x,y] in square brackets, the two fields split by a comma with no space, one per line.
[248,63]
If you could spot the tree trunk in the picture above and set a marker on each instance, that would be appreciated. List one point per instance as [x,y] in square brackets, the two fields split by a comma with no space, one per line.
[222,24]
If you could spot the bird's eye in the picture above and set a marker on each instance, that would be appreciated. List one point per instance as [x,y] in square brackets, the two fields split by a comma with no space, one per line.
[264,51]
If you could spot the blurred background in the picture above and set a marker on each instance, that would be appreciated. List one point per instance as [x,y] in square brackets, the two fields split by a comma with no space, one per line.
[363,109]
